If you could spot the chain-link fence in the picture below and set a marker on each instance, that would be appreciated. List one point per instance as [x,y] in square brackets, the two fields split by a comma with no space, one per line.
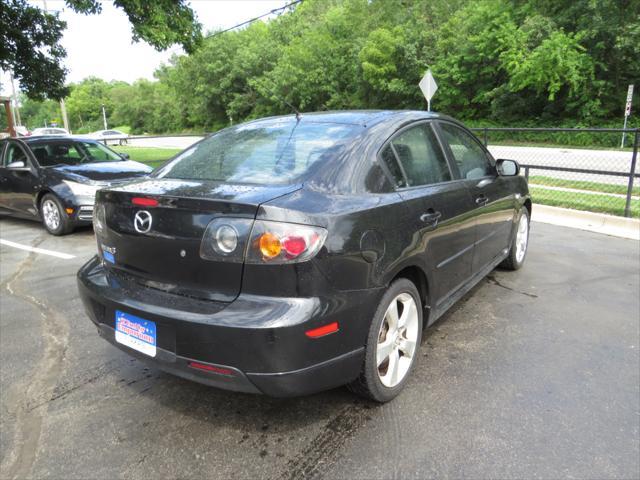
[598,178]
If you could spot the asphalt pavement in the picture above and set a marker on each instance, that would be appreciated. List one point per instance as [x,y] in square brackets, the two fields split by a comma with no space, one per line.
[534,374]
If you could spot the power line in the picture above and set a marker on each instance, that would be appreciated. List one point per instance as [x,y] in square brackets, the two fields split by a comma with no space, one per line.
[275,10]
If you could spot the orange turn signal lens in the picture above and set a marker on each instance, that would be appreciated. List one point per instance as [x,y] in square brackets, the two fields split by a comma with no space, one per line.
[69,210]
[270,245]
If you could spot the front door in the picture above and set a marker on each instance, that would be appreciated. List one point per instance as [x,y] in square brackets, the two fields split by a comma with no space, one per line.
[19,184]
[437,206]
[494,205]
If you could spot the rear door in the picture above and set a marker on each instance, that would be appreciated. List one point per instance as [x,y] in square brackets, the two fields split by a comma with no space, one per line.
[438,206]
[493,201]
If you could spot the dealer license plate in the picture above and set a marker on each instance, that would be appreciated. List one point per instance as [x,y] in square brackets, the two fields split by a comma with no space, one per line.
[136,333]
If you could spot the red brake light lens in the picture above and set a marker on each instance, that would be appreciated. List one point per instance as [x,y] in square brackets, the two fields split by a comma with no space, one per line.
[144,202]
[294,246]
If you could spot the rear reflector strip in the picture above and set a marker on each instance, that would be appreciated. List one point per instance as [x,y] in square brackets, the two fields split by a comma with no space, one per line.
[211,368]
[322,331]
[144,202]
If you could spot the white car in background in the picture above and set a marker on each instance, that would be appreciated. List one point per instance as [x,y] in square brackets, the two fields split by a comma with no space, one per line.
[110,137]
[49,131]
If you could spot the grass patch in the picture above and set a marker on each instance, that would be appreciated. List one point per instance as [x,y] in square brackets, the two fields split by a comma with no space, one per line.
[584,201]
[582,185]
[151,156]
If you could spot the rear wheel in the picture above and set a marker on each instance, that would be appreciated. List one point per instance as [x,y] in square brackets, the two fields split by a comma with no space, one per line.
[54,218]
[519,244]
[392,344]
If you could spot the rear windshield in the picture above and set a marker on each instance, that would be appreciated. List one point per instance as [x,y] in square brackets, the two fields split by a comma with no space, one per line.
[266,152]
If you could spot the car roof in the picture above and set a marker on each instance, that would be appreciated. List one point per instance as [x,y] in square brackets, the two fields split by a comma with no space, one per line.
[51,138]
[364,118]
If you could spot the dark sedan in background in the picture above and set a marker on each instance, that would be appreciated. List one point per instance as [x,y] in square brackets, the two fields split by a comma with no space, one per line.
[294,254]
[55,179]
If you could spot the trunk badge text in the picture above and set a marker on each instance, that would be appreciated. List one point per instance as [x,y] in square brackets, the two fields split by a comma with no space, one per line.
[183,253]
[142,221]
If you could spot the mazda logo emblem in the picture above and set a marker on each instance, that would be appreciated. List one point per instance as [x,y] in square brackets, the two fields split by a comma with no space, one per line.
[142,221]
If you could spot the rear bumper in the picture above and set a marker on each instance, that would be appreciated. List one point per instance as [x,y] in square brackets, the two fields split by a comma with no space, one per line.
[254,344]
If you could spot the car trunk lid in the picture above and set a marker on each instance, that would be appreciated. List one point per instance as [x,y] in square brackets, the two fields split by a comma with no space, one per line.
[165,254]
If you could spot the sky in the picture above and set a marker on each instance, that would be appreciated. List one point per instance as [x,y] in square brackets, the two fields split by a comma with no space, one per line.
[101,45]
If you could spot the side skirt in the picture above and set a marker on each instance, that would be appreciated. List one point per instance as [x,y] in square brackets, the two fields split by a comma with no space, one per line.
[448,302]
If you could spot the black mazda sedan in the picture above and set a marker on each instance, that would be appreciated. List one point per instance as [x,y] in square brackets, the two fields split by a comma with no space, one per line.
[290,255]
[55,179]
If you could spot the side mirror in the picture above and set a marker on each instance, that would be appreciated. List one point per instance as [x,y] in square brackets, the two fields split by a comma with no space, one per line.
[507,168]
[125,156]
[17,165]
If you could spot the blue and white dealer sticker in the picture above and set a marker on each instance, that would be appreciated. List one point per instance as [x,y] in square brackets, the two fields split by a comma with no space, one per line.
[136,333]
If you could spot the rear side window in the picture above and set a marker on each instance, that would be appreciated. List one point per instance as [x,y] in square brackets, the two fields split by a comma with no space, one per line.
[472,160]
[391,162]
[421,161]
[269,152]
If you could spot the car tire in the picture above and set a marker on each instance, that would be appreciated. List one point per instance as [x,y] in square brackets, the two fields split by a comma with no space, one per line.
[376,380]
[520,243]
[54,218]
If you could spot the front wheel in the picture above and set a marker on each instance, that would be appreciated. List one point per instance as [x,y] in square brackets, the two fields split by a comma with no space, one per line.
[54,217]
[392,344]
[519,244]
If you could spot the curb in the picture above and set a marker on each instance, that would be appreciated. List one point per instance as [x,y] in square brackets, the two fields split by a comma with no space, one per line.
[594,222]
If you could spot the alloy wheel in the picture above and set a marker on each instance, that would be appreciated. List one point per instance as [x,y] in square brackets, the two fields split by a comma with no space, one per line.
[397,340]
[522,237]
[51,214]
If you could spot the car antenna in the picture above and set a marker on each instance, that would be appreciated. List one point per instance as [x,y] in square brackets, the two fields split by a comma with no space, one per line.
[282,99]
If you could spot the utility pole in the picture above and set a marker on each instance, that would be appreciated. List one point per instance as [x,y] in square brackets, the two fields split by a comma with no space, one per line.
[104,117]
[63,108]
[65,121]
[16,109]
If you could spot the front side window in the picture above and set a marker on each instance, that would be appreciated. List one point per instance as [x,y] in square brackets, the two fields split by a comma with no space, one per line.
[470,157]
[263,152]
[14,154]
[420,157]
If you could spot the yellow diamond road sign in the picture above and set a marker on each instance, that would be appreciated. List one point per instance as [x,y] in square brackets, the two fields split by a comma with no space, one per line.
[428,86]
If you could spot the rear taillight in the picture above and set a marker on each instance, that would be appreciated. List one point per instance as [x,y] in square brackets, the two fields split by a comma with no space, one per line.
[279,242]
[236,240]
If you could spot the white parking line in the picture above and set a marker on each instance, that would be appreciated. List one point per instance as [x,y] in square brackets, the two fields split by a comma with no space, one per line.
[8,243]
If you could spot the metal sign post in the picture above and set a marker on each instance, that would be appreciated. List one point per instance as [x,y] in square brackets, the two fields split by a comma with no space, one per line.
[627,112]
[428,86]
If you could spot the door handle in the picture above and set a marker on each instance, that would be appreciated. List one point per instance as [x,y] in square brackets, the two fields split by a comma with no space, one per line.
[482,201]
[431,217]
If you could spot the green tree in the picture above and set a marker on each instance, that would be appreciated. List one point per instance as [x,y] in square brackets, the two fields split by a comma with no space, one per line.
[29,37]
[29,47]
